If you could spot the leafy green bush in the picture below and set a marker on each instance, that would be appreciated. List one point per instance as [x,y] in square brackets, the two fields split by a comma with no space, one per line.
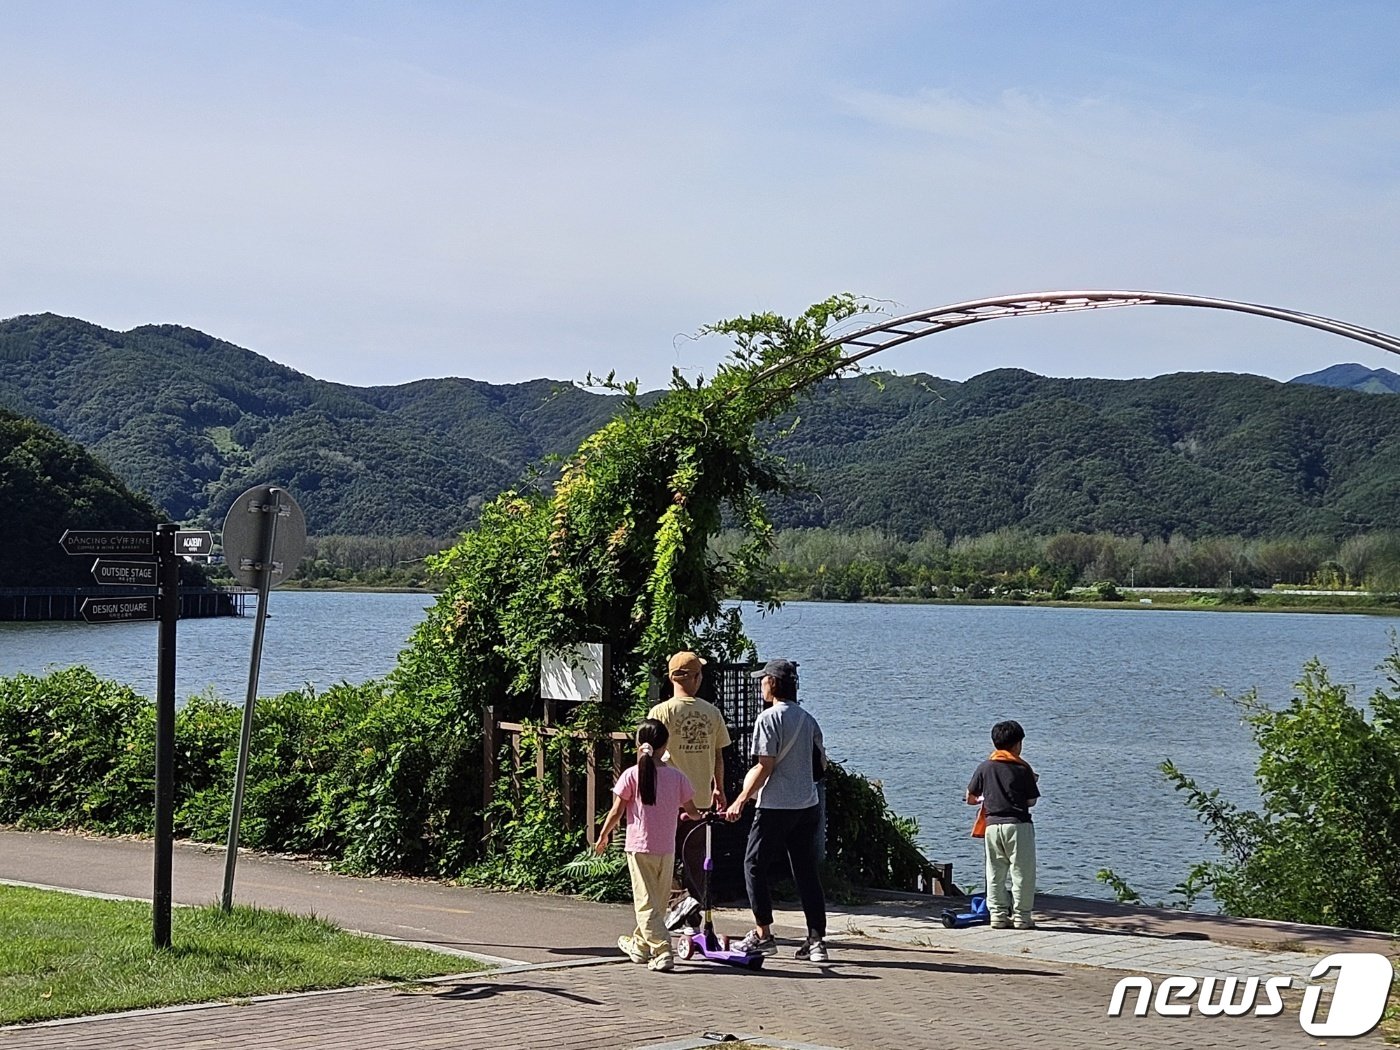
[75,751]
[1325,848]
[867,843]
[1107,591]
[364,773]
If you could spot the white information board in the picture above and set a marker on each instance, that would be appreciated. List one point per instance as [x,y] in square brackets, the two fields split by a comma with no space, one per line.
[576,673]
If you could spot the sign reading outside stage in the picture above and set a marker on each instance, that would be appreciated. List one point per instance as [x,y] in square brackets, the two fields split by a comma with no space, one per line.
[113,573]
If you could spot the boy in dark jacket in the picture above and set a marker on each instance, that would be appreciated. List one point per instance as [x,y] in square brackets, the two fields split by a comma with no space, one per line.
[1005,787]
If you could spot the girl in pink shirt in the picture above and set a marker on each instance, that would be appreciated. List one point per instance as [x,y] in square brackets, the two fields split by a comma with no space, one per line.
[652,796]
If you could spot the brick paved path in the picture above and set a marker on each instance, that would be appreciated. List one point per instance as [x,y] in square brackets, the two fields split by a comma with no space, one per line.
[872,997]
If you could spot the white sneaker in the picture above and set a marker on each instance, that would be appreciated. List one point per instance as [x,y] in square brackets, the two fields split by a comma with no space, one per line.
[813,951]
[665,962]
[629,947]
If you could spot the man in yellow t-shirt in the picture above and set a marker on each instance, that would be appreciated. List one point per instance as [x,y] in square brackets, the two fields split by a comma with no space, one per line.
[698,737]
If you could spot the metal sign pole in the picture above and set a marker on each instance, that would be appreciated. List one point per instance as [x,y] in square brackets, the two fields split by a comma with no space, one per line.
[169,606]
[267,537]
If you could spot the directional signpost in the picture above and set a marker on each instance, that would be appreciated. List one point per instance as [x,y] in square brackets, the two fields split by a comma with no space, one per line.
[106,541]
[190,544]
[124,573]
[159,554]
[264,534]
[115,610]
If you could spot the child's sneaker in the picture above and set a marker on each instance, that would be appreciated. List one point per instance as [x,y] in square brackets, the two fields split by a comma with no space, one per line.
[664,962]
[638,953]
[755,943]
[813,951]
[684,915]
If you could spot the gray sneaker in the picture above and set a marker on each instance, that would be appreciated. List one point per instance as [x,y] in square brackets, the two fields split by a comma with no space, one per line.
[756,944]
[813,951]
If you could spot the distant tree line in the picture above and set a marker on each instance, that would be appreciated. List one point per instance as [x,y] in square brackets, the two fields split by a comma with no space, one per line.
[330,562]
[849,565]
[369,560]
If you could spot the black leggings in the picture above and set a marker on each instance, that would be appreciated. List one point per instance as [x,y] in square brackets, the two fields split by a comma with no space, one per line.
[793,832]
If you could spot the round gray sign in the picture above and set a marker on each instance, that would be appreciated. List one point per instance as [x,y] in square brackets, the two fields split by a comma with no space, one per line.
[264,529]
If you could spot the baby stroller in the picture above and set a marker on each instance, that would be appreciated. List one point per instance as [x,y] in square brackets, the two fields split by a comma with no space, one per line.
[693,922]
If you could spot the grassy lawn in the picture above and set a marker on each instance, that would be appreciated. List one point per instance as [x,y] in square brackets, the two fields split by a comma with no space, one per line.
[62,955]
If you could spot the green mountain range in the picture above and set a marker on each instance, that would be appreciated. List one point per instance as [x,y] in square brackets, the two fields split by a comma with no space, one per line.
[193,421]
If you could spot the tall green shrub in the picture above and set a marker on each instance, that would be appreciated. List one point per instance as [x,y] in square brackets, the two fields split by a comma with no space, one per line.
[75,751]
[1325,847]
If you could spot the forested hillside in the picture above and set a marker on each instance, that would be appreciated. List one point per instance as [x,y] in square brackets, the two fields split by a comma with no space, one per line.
[1199,453]
[49,484]
[193,421]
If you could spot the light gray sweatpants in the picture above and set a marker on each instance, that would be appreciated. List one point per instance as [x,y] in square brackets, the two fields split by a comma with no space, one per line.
[1010,851]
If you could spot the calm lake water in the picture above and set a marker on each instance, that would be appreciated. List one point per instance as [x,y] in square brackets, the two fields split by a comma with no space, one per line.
[905,693]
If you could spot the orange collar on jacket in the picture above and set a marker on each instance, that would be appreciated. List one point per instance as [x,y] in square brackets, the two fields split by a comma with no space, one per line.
[1007,756]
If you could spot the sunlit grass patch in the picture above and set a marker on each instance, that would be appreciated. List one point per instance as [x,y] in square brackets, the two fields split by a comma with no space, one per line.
[64,955]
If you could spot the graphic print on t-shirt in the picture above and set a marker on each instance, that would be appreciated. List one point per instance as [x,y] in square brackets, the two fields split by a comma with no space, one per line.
[691,733]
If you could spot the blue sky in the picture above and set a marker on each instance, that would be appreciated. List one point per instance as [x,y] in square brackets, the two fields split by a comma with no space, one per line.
[374,193]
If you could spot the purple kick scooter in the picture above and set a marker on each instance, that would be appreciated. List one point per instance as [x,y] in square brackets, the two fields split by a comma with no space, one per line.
[704,942]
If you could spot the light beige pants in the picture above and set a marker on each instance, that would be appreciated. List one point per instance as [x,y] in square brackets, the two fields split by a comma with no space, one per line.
[651,889]
[1010,852]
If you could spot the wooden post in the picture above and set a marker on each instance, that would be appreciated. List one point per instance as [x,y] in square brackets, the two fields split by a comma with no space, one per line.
[515,765]
[566,780]
[590,801]
[490,754]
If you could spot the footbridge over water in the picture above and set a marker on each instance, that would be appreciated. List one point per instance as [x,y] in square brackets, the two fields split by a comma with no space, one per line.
[869,340]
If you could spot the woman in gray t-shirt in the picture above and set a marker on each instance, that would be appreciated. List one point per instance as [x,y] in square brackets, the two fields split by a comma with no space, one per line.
[787,750]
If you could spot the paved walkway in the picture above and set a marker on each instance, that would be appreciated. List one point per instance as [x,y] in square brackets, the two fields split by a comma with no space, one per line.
[897,979]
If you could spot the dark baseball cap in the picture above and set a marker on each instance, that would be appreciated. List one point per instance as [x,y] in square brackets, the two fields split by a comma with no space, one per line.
[777,669]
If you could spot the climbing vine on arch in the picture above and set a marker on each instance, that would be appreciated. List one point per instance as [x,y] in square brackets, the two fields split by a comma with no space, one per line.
[618,550]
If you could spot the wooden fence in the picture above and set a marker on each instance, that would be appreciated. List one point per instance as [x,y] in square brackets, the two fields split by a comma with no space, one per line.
[497,735]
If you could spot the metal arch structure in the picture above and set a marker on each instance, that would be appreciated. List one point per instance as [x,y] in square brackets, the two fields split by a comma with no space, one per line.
[874,338]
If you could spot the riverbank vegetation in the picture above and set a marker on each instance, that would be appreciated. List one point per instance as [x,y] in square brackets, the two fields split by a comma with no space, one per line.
[869,563]
[1324,847]
[65,955]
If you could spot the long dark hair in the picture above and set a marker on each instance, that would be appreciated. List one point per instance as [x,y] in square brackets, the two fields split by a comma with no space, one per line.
[654,733]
